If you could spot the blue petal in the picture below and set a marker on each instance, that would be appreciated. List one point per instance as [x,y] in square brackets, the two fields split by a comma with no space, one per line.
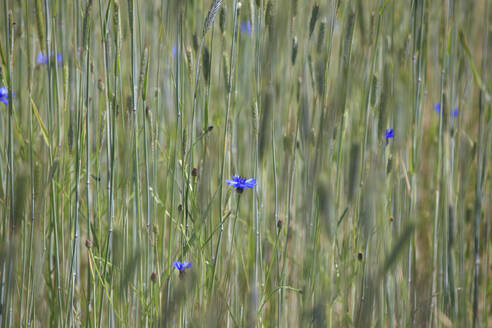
[246,27]
[41,59]
[186,265]
[4,100]
[231,183]
[3,92]
[250,183]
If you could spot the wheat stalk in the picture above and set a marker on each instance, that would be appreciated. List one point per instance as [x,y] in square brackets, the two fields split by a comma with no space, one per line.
[212,12]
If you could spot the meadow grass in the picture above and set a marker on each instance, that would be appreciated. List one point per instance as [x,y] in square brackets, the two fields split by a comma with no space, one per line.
[366,124]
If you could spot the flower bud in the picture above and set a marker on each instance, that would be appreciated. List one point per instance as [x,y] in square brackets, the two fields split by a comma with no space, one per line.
[153,277]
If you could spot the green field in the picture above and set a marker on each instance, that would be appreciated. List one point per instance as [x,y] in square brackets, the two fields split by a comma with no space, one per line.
[365,127]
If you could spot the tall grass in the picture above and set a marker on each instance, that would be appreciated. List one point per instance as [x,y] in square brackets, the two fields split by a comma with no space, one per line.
[114,161]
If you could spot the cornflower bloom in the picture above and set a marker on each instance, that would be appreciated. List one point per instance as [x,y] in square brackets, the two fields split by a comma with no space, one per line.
[4,95]
[389,133]
[454,113]
[437,107]
[246,27]
[181,266]
[41,59]
[241,183]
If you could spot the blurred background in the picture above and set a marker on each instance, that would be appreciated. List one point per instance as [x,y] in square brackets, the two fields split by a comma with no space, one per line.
[366,124]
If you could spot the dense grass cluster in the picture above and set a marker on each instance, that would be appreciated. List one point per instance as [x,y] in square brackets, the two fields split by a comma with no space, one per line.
[269,163]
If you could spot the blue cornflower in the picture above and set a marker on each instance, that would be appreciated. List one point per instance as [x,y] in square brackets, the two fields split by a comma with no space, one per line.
[182,266]
[241,183]
[246,27]
[454,113]
[4,95]
[437,107]
[41,59]
[389,133]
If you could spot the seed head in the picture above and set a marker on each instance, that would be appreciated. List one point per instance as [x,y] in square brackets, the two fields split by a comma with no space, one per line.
[212,12]
[294,51]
